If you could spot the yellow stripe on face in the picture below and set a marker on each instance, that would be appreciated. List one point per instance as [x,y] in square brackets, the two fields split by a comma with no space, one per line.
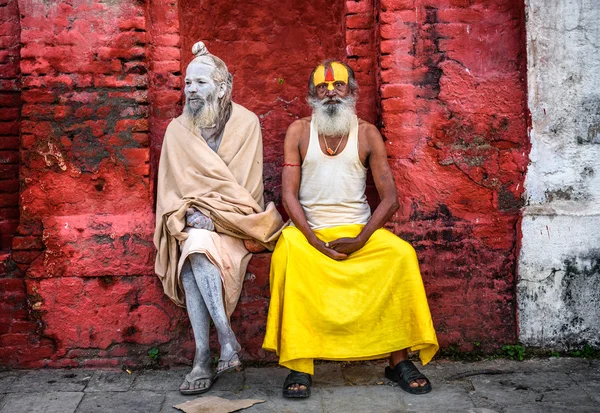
[329,75]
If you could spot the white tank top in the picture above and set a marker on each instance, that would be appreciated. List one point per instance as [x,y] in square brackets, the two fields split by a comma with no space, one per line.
[332,188]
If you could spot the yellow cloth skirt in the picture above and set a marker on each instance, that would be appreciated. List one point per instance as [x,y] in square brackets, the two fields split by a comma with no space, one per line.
[364,307]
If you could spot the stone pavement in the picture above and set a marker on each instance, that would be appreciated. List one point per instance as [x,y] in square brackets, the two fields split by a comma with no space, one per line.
[540,385]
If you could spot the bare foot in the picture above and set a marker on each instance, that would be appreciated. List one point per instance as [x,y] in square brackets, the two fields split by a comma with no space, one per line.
[297,385]
[199,380]
[233,363]
[415,383]
[195,386]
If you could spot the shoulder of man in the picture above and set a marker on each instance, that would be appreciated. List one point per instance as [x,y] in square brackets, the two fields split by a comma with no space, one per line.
[368,135]
[243,115]
[366,127]
[299,125]
[174,126]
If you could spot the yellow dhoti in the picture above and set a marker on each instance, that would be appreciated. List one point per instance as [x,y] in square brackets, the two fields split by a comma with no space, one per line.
[365,307]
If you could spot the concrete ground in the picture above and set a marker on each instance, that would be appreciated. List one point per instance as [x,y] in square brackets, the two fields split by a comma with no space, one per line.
[541,385]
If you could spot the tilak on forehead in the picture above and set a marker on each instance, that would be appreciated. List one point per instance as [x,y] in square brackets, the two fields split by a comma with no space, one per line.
[335,72]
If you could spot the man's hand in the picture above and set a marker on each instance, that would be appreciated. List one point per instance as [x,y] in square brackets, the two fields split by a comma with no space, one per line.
[346,245]
[197,219]
[330,252]
[253,246]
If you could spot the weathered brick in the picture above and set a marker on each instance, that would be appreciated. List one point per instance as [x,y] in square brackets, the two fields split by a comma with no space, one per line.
[10,85]
[169,97]
[9,113]
[459,16]
[159,66]
[9,142]
[135,156]
[172,40]
[10,100]
[396,5]
[9,186]
[7,157]
[119,81]
[399,25]
[362,6]
[8,171]
[168,53]
[398,31]
[138,23]
[9,28]
[27,243]
[38,67]
[23,327]
[25,257]
[9,128]
[359,50]
[14,340]
[38,96]
[359,21]
[109,53]
[359,36]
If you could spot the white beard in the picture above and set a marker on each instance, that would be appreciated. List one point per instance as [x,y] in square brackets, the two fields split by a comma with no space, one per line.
[203,112]
[333,120]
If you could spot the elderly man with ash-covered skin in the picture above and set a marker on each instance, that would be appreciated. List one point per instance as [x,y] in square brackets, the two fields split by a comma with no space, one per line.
[342,287]
[210,211]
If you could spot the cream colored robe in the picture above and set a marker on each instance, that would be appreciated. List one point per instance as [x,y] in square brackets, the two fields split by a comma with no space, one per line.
[226,186]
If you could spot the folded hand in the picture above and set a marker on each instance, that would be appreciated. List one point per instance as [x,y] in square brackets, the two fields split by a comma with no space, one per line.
[330,252]
[197,219]
[346,245]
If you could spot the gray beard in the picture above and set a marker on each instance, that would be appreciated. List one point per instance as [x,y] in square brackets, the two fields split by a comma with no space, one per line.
[203,112]
[333,119]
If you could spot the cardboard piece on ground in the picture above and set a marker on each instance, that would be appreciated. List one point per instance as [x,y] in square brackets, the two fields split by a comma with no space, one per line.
[214,404]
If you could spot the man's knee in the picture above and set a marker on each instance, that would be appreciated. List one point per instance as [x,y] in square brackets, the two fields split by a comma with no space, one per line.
[397,246]
[198,259]
[187,276]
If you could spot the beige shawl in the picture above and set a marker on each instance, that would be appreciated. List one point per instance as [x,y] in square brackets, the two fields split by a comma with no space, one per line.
[226,186]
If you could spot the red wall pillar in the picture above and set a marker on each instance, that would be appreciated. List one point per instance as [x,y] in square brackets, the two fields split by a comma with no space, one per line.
[454,115]
[10,112]
[85,239]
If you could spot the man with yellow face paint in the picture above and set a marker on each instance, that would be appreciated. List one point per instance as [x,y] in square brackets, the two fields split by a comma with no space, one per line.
[342,287]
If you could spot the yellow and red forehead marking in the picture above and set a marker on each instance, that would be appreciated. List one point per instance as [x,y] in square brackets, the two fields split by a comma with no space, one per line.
[335,72]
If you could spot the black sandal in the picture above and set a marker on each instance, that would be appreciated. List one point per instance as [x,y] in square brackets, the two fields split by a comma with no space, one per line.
[406,372]
[296,377]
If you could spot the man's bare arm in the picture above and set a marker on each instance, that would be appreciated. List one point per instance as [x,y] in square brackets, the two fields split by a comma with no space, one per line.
[386,188]
[290,187]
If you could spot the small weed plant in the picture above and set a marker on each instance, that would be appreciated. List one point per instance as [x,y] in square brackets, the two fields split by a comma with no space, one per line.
[586,352]
[514,352]
[154,354]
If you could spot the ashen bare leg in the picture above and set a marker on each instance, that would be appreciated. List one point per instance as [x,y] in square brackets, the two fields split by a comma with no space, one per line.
[209,283]
[201,376]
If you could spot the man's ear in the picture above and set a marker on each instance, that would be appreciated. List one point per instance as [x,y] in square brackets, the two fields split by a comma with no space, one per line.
[222,89]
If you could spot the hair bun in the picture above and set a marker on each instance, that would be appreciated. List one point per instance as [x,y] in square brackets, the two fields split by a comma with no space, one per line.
[199,49]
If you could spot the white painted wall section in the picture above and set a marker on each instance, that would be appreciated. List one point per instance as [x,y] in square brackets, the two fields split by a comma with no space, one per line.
[558,289]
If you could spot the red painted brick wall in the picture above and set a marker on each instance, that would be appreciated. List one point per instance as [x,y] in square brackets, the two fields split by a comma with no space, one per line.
[454,112]
[10,102]
[85,239]
[14,324]
[100,82]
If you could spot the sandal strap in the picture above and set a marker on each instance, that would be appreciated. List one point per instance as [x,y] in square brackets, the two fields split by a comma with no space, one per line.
[296,377]
[409,372]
